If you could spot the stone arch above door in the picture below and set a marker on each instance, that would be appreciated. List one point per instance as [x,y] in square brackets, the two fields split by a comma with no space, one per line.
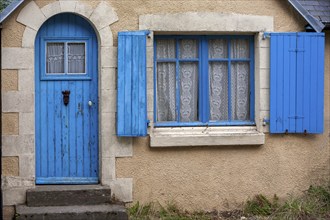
[100,17]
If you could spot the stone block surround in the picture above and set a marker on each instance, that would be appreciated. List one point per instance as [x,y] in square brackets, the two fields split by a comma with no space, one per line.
[19,141]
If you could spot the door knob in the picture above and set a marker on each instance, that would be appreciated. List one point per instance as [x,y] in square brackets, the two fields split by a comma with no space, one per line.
[90,103]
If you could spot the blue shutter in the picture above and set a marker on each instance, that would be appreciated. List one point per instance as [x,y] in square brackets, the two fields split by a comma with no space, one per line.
[296,82]
[132,93]
[310,82]
[282,82]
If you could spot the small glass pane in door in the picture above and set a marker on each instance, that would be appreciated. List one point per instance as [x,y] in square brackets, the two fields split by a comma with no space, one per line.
[76,58]
[55,58]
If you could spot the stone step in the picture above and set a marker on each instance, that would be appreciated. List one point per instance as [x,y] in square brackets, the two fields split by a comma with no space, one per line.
[92,212]
[68,195]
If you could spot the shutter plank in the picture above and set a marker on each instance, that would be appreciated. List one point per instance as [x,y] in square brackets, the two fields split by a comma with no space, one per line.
[282,82]
[311,96]
[297,82]
[131,99]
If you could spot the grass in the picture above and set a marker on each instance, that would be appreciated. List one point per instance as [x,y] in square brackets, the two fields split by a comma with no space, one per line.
[313,204]
[170,211]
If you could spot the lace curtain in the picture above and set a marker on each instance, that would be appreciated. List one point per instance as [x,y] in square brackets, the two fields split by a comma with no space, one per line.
[76,57]
[55,58]
[166,81]
[240,78]
[220,86]
[219,82]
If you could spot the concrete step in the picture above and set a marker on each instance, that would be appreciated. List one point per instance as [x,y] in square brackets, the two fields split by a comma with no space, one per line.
[90,212]
[68,195]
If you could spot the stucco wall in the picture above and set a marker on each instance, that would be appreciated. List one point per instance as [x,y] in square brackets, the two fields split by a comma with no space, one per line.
[221,177]
[194,177]
[224,177]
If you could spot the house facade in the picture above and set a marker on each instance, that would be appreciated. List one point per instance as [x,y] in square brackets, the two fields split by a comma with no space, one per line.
[202,103]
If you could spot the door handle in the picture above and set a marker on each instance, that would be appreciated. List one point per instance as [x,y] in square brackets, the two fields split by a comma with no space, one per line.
[90,103]
[66,96]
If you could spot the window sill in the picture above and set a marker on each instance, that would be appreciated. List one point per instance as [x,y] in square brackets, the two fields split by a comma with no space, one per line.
[205,136]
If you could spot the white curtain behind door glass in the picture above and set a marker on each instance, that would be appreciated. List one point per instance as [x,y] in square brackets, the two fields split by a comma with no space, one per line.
[55,58]
[76,58]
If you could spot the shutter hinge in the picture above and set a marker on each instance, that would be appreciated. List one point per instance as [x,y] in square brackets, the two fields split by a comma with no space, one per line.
[265,121]
[265,35]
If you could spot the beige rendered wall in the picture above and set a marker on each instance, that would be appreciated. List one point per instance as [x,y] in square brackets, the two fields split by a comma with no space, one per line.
[203,177]
[224,177]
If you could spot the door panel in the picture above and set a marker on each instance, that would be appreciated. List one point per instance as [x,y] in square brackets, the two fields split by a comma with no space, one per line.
[66,134]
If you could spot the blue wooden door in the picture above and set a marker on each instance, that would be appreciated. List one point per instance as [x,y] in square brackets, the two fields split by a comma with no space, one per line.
[66,102]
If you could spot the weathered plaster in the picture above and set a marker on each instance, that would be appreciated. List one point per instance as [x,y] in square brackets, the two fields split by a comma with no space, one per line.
[224,177]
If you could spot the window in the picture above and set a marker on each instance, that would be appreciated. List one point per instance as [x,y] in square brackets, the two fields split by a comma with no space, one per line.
[204,80]
[65,57]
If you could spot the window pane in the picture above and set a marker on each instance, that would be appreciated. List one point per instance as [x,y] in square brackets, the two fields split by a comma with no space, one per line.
[240,91]
[165,48]
[218,48]
[218,88]
[188,48]
[166,92]
[240,48]
[76,58]
[189,91]
[55,58]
